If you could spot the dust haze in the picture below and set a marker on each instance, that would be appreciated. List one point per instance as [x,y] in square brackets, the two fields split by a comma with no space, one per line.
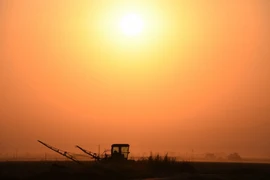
[202,87]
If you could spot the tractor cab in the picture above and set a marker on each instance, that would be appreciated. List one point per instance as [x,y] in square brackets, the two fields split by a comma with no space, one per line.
[120,151]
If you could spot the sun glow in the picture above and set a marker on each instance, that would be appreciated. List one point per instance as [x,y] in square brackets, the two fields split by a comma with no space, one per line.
[131,24]
[130,30]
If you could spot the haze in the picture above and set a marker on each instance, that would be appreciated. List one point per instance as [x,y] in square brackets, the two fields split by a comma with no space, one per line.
[197,79]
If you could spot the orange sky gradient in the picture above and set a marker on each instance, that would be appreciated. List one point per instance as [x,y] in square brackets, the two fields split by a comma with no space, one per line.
[197,78]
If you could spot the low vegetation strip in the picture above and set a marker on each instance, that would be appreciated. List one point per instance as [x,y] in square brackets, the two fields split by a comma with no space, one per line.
[152,167]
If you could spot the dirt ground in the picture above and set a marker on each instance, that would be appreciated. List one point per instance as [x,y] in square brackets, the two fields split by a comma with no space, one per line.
[188,171]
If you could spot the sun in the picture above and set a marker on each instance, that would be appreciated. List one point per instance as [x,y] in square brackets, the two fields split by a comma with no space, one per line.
[131,24]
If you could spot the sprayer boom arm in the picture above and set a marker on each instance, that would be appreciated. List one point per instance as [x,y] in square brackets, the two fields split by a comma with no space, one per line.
[93,155]
[63,153]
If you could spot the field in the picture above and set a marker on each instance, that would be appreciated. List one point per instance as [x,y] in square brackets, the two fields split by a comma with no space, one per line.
[150,168]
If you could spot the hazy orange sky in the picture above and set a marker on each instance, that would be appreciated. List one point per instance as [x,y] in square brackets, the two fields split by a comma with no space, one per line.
[197,78]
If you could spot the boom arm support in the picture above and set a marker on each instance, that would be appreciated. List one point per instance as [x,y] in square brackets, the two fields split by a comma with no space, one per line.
[63,153]
[93,155]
